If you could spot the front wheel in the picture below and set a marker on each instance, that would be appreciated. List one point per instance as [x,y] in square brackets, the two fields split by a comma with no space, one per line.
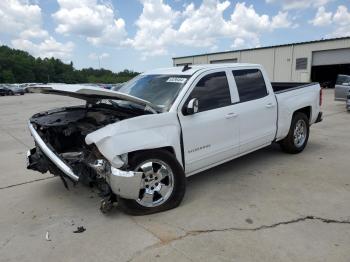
[163,183]
[298,134]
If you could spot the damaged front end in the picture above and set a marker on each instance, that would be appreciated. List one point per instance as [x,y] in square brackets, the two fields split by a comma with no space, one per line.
[61,150]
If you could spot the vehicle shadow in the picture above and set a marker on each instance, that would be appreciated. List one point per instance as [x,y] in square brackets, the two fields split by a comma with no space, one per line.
[231,173]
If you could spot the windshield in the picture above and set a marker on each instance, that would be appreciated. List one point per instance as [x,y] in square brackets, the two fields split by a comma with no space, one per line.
[160,90]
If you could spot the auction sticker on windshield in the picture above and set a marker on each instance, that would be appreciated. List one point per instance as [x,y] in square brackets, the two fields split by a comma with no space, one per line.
[179,80]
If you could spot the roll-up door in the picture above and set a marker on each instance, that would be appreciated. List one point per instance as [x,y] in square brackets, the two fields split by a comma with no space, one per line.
[331,57]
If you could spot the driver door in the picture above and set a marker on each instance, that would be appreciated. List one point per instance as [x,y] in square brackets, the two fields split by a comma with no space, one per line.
[211,135]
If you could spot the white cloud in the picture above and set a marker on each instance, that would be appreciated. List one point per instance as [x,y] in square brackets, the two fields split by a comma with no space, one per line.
[238,43]
[34,33]
[22,21]
[281,20]
[47,48]
[322,17]
[299,4]
[92,19]
[248,18]
[342,16]
[16,16]
[155,27]
[94,56]
[159,26]
[202,26]
[19,18]
[112,34]
[340,20]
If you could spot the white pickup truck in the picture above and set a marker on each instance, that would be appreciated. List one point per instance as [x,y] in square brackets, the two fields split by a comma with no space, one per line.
[139,144]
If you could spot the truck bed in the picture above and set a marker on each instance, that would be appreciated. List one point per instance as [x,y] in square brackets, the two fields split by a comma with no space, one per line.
[292,97]
[280,87]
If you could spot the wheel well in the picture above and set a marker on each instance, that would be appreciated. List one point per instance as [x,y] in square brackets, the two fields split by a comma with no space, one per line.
[305,110]
[166,148]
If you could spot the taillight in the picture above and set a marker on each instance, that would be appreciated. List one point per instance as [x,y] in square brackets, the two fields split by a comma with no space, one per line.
[321,96]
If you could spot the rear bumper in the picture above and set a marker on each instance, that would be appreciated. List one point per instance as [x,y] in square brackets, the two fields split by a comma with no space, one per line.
[319,117]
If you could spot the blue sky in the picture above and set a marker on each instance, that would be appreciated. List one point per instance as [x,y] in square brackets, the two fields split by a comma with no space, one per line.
[145,34]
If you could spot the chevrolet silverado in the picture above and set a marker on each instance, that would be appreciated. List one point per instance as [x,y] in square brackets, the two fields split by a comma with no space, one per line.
[137,145]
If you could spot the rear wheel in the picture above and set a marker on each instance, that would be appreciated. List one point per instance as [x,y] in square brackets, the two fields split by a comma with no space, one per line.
[163,183]
[298,134]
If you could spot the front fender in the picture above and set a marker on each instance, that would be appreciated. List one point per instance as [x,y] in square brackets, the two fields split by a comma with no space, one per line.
[138,133]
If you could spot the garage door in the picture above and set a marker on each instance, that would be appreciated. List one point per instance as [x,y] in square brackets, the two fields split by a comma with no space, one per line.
[331,57]
[223,61]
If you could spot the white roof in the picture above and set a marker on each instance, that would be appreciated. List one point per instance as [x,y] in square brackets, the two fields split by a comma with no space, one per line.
[194,68]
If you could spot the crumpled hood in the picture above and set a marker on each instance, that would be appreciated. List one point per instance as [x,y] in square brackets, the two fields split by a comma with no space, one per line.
[88,93]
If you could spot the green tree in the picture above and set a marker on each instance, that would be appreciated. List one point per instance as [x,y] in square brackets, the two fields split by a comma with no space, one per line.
[6,76]
[19,66]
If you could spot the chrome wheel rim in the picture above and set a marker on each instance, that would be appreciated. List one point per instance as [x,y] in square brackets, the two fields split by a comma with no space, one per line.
[157,183]
[300,131]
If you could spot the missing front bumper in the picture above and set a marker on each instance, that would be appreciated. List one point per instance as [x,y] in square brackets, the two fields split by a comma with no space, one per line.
[51,155]
[125,184]
[37,161]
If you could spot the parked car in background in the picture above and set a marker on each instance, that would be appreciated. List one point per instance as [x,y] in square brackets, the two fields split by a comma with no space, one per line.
[27,86]
[16,89]
[138,144]
[342,87]
[5,91]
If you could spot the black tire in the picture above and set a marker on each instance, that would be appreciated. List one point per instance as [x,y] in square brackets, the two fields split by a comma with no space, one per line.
[132,207]
[287,144]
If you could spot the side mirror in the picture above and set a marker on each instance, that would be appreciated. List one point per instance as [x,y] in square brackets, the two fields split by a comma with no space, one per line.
[192,106]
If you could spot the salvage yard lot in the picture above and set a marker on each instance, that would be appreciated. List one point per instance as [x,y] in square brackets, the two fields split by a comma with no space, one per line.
[266,206]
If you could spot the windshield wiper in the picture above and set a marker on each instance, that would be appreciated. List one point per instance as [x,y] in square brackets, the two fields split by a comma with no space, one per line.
[139,107]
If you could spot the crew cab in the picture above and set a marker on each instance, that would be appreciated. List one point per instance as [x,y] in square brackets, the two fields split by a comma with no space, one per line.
[138,144]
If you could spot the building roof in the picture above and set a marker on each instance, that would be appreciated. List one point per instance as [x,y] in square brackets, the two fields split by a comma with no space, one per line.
[265,47]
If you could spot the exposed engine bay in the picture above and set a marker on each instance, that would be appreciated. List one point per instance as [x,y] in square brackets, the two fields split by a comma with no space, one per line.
[64,130]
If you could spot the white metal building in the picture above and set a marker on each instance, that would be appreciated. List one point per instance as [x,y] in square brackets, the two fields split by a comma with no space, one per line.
[318,61]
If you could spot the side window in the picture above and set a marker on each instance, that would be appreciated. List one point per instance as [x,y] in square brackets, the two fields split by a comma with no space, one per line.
[250,84]
[212,91]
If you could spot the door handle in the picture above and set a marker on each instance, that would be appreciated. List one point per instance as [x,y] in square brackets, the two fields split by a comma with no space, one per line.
[231,115]
[269,105]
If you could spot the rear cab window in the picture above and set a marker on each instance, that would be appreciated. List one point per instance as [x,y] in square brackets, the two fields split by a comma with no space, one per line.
[212,92]
[250,84]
